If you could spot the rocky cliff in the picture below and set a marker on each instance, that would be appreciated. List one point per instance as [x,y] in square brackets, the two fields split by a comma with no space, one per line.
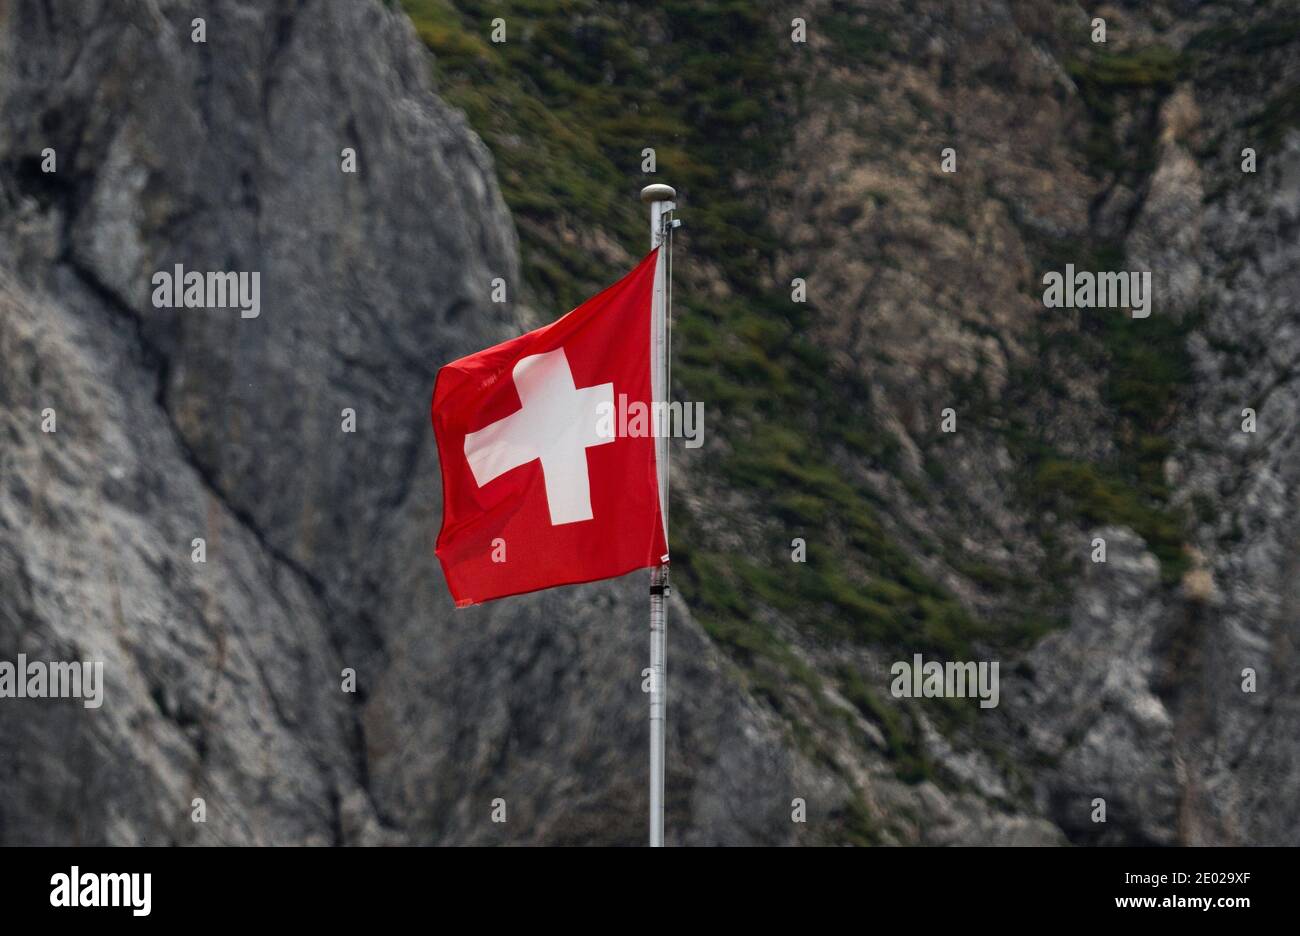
[225,679]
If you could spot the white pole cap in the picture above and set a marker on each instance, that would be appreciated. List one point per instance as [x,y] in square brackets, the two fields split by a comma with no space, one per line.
[658,192]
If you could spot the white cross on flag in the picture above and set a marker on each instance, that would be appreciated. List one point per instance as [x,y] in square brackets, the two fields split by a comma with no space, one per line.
[555,423]
[536,491]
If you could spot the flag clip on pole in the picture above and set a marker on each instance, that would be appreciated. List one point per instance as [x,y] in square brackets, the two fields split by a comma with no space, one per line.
[660,199]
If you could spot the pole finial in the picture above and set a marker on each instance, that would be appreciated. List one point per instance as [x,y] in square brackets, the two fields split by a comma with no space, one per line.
[658,192]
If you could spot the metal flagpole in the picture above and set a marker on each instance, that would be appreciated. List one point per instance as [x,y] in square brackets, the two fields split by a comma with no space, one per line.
[660,199]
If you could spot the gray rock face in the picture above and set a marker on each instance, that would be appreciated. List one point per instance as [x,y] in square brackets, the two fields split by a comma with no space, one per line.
[1183,707]
[1091,705]
[224,678]
[1240,747]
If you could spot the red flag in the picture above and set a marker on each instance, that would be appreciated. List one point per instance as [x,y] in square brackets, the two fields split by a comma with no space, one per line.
[536,490]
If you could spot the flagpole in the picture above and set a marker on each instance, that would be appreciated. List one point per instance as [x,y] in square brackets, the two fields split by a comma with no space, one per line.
[660,199]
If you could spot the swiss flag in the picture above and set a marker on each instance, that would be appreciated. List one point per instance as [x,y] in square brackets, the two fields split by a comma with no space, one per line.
[536,490]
